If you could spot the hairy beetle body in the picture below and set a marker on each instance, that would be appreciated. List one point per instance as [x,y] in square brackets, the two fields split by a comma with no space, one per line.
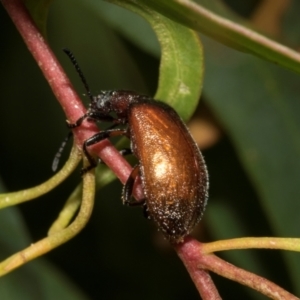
[172,168]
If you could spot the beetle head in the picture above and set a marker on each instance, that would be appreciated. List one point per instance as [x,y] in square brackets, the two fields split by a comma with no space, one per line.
[102,102]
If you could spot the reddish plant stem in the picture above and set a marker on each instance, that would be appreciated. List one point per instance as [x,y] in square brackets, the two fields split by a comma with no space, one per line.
[63,89]
[193,257]
[258,283]
[189,252]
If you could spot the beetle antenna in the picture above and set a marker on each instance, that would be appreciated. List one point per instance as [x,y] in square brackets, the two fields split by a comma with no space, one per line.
[80,73]
[60,151]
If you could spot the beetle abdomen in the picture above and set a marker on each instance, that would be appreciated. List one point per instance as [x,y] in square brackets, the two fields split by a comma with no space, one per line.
[172,168]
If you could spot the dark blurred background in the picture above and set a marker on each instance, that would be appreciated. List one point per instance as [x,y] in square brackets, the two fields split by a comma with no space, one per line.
[120,255]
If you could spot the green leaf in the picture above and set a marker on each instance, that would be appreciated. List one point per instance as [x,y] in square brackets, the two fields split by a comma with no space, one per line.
[137,29]
[36,280]
[199,18]
[291,24]
[258,104]
[181,69]
[100,51]
[39,12]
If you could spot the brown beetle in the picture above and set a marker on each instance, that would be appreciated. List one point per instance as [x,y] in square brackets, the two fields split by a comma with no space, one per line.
[172,169]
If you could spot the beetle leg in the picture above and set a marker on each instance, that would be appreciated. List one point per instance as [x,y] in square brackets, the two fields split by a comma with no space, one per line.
[128,187]
[94,116]
[77,123]
[125,151]
[98,137]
